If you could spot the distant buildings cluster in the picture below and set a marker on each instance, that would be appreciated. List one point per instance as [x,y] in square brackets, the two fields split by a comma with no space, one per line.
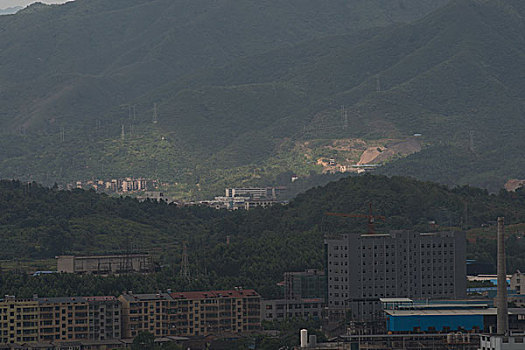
[121,185]
[247,198]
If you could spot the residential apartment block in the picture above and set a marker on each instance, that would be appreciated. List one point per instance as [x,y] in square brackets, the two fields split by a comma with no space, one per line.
[104,318]
[94,322]
[203,313]
[63,319]
[362,268]
[19,320]
[146,313]
[58,319]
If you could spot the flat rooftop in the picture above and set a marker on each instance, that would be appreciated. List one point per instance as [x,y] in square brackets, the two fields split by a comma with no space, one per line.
[453,312]
[395,300]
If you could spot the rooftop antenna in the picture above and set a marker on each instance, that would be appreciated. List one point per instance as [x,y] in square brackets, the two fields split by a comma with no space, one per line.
[155,116]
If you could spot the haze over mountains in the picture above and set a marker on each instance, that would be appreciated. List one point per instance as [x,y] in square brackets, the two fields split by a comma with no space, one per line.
[242,87]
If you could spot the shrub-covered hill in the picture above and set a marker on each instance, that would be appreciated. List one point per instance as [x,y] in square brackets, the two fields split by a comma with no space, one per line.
[38,222]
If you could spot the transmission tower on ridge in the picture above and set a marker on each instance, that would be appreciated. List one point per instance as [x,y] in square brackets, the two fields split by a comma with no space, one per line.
[344,117]
[471,141]
[185,269]
[155,116]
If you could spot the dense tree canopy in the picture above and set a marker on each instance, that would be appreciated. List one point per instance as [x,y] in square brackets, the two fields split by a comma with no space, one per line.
[39,223]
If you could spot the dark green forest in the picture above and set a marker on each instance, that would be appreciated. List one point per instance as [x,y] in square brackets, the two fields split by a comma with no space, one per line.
[38,222]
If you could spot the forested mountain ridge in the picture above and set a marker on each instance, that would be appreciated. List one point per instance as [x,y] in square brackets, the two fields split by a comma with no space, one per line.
[37,222]
[234,111]
[453,77]
[70,73]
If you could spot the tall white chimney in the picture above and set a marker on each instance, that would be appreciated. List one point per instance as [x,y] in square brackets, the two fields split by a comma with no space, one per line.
[304,338]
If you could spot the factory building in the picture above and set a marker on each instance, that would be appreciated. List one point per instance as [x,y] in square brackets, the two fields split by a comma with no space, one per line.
[362,268]
[104,264]
[449,318]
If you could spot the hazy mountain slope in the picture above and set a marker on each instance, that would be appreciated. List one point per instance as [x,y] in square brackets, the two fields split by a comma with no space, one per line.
[455,76]
[138,45]
[68,74]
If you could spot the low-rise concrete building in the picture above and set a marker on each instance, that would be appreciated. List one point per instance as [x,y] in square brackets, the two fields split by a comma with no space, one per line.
[514,341]
[280,309]
[104,264]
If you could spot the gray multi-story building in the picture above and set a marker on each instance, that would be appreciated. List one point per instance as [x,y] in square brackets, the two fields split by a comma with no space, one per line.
[104,317]
[361,268]
[281,309]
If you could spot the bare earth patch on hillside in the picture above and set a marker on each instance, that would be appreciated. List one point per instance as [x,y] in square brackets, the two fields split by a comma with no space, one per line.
[342,155]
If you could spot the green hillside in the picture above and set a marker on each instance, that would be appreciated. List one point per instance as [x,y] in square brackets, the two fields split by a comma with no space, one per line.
[248,91]
[38,223]
[70,72]
[454,77]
